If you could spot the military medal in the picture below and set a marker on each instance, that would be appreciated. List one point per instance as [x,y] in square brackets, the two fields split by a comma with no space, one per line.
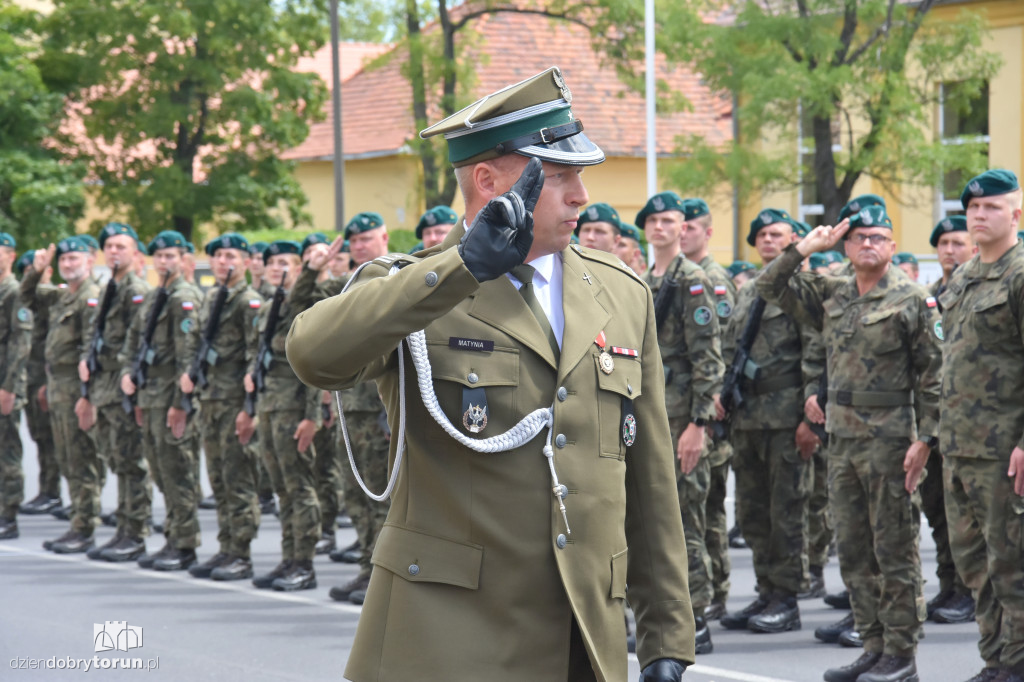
[474,409]
[628,423]
[604,360]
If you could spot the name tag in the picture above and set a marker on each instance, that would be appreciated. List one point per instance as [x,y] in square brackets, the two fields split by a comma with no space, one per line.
[479,345]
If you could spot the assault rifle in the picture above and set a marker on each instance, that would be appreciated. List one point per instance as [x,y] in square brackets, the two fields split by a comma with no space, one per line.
[264,356]
[663,300]
[144,358]
[92,360]
[206,356]
[742,366]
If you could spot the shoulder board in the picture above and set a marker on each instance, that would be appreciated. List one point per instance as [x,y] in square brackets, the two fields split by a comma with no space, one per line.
[612,261]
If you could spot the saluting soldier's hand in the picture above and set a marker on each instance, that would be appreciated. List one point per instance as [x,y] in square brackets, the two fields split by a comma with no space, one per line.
[43,258]
[320,257]
[1016,470]
[822,238]
[913,464]
[502,232]
[690,446]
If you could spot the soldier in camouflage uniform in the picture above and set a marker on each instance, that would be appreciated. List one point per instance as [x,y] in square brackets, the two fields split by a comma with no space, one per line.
[167,441]
[688,337]
[365,419]
[695,239]
[982,430]
[772,476]
[289,415]
[265,289]
[37,416]
[599,228]
[224,425]
[15,335]
[118,437]
[882,333]
[70,311]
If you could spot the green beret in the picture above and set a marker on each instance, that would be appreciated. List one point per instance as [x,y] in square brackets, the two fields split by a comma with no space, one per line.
[818,260]
[167,239]
[90,241]
[766,217]
[858,204]
[314,238]
[989,184]
[345,248]
[228,240]
[629,232]
[72,245]
[531,118]
[281,246]
[952,223]
[904,257]
[190,247]
[417,247]
[598,213]
[662,201]
[695,208]
[141,245]
[1020,234]
[363,222]
[833,256]
[872,216]
[643,251]
[740,266]
[574,239]
[8,240]
[24,261]
[257,248]
[439,215]
[801,228]
[115,229]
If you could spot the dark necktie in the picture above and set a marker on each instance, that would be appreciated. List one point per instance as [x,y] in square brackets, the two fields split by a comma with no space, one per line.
[524,273]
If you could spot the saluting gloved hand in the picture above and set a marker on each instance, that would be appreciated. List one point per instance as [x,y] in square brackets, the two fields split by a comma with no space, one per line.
[502,232]
[663,670]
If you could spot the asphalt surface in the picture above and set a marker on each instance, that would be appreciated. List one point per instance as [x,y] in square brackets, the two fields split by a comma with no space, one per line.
[195,629]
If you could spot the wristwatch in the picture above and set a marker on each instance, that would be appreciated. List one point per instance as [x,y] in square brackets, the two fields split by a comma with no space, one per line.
[932,441]
[700,422]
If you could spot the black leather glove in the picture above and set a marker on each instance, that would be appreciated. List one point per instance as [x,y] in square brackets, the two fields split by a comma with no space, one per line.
[502,233]
[663,670]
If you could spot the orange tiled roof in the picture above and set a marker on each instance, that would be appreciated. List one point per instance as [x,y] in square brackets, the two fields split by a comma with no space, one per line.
[377,112]
[351,58]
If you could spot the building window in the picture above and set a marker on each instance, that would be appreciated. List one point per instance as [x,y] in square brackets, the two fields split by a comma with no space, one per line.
[812,211]
[962,119]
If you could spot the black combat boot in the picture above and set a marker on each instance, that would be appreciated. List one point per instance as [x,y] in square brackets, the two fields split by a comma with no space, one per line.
[781,615]
[267,580]
[958,609]
[938,601]
[48,544]
[345,591]
[347,555]
[176,560]
[1007,675]
[850,673]
[40,504]
[96,552]
[987,674]
[831,633]
[9,529]
[839,600]
[714,610]
[204,569]
[147,559]
[236,568]
[739,619]
[76,543]
[326,543]
[816,586]
[891,669]
[300,577]
[851,639]
[702,641]
[128,548]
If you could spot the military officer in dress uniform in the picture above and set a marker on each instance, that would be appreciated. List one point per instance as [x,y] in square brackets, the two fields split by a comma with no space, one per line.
[982,425]
[506,559]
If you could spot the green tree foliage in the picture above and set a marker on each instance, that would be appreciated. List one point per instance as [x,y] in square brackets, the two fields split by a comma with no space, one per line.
[181,107]
[863,75]
[40,197]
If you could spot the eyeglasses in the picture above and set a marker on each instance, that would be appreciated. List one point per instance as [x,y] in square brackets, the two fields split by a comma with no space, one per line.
[875,239]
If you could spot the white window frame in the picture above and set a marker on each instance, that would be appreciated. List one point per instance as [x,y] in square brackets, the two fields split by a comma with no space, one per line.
[802,149]
[944,206]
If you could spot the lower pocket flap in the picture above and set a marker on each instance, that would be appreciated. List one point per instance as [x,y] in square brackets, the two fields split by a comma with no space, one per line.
[420,557]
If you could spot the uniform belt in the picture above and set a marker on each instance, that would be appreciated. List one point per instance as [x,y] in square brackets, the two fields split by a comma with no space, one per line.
[871,398]
[791,380]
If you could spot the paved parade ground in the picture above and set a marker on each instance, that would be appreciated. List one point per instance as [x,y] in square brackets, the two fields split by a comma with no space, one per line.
[53,608]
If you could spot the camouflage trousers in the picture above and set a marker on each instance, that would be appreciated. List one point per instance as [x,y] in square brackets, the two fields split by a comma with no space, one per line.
[80,464]
[693,498]
[328,476]
[293,475]
[877,532]
[119,442]
[772,487]
[12,477]
[370,451]
[232,470]
[172,461]
[986,533]
[716,534]
[46,452]
[934,507]
[819,514]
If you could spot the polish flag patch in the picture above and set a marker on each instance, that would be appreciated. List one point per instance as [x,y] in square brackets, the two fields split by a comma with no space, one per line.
[92,302]
[720,290]
[138,298]
[187,305]
[931,302]
[628,352]
[696,289]
[254,303]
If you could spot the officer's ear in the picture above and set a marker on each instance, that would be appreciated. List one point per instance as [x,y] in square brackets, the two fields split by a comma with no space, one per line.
[484,177]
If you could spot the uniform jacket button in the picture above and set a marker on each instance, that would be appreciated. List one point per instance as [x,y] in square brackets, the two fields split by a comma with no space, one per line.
[472,377]
[563,393]
[560,440]
[560,541]
[414,569]
[430,279]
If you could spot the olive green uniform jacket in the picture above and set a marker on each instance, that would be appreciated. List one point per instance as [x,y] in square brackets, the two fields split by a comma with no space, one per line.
[475,575]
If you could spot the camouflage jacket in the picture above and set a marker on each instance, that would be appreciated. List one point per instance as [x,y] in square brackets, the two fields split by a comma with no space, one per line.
[689,341]
[725,303]
[983,355]
[105,386]
[774,400]
[232,347]
[362,397]
[70,314]
[174,344]
[37,349]
[15,336]
[265,289]
[283,390]
[884,360]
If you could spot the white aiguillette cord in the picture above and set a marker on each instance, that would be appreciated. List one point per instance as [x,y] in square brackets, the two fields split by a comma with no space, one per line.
[523,432]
